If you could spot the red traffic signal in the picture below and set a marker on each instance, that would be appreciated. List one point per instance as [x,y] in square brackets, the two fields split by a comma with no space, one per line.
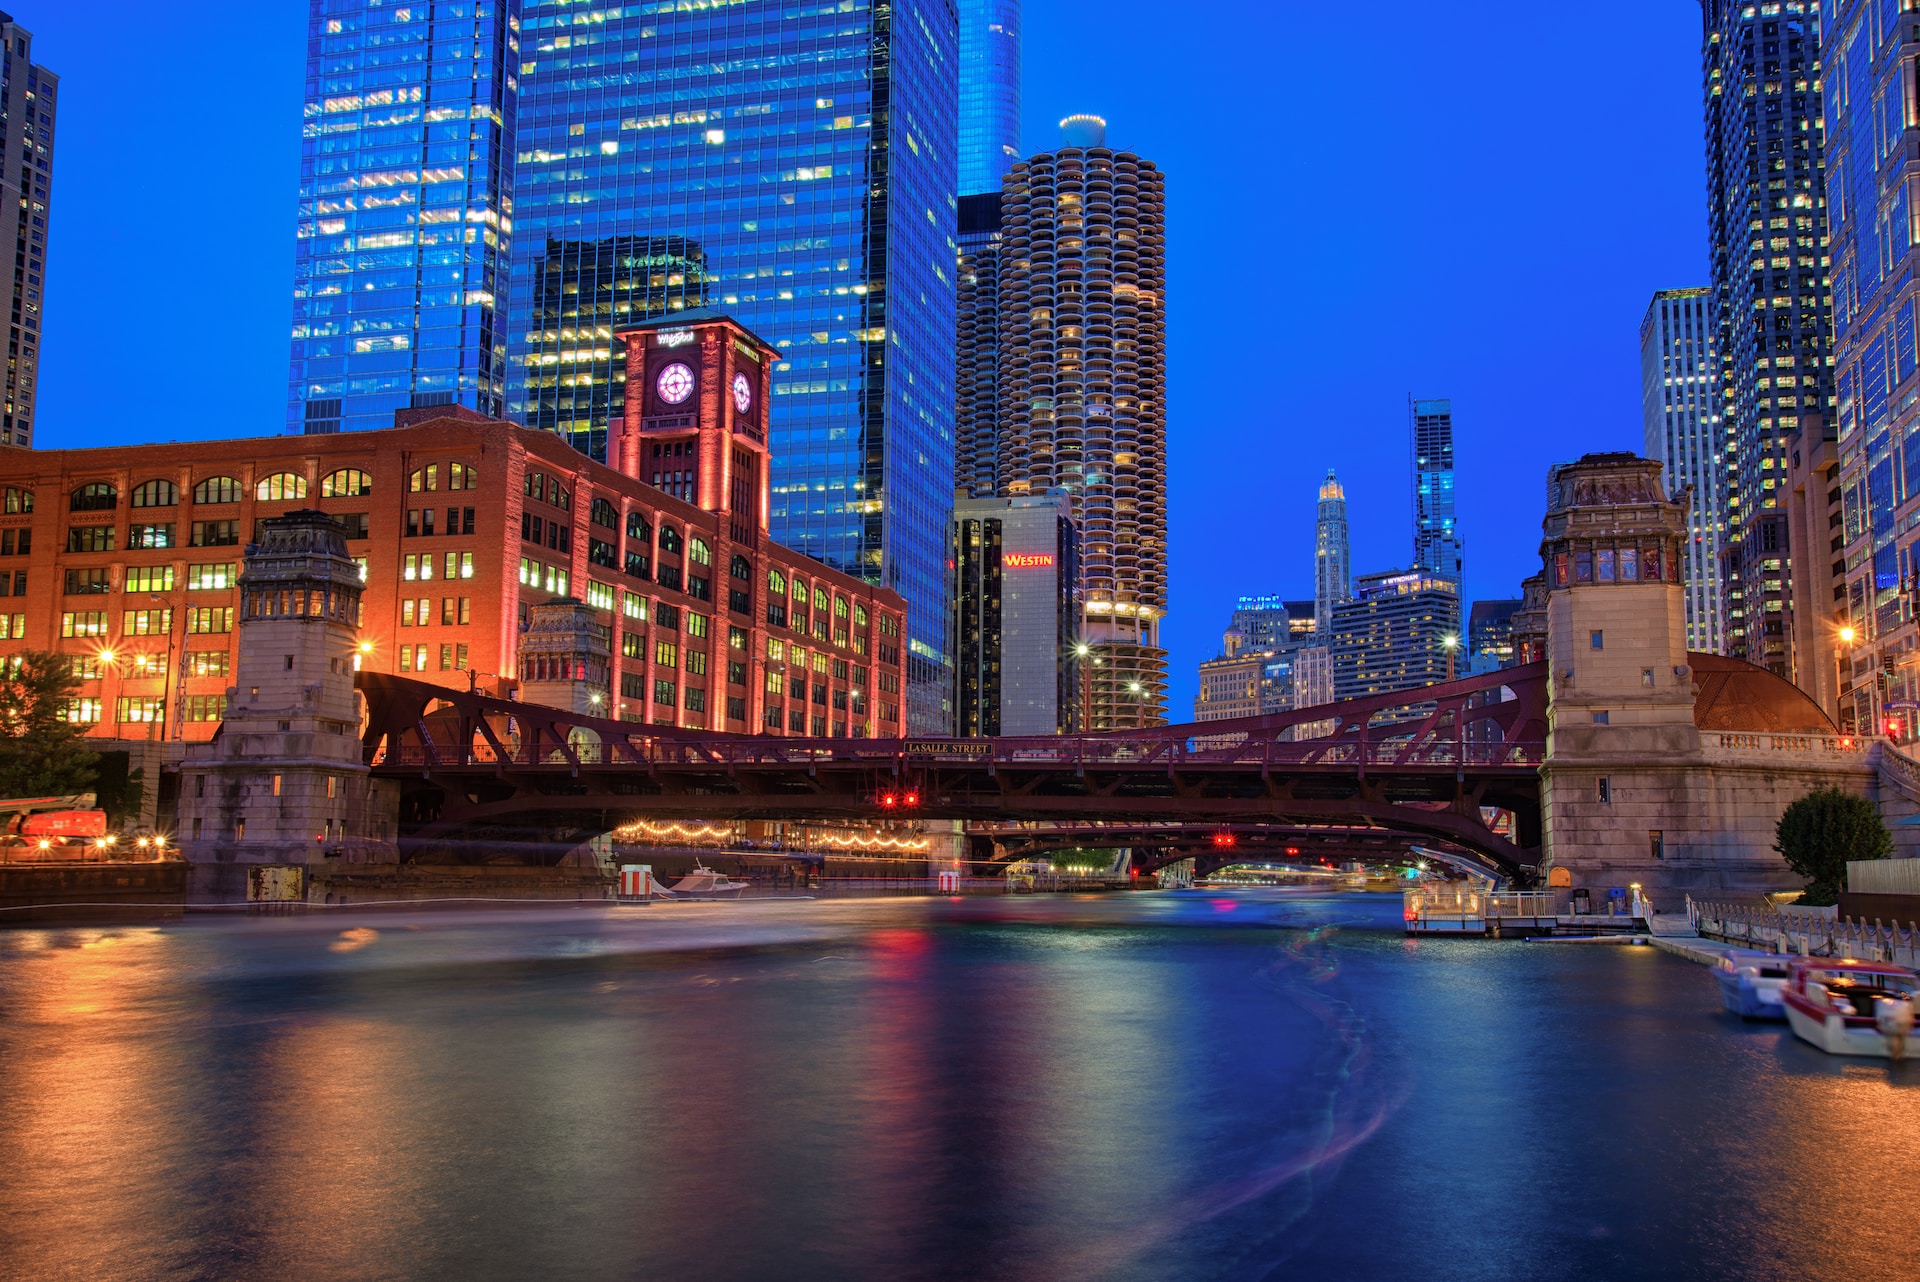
[912,798]
[1224,839]
[889,800]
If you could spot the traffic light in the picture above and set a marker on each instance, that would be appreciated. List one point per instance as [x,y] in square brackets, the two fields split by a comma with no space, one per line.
[911,799]
[1224,839]
[889,800]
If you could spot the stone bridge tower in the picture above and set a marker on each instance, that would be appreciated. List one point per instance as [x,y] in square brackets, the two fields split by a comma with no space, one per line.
[1647,778]
[282,783]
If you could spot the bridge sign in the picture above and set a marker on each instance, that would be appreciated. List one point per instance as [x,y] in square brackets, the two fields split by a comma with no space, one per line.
[949,747]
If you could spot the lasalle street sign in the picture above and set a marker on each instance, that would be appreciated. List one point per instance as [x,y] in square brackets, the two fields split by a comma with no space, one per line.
[949,747]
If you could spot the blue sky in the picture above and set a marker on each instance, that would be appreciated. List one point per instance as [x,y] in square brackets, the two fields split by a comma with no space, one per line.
[1363,202]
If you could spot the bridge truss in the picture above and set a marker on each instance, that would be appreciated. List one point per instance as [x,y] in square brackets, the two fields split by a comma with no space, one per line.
[484,779]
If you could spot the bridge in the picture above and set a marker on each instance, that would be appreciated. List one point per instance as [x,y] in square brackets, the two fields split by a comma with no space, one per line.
[481,778]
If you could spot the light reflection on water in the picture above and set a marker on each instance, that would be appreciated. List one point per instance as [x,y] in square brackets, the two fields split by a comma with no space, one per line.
[1133,1087]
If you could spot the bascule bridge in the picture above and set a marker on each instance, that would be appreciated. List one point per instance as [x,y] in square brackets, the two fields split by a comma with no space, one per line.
[1615,756]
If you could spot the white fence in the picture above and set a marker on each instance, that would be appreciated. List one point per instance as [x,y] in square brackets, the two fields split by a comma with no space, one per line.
[1807,934]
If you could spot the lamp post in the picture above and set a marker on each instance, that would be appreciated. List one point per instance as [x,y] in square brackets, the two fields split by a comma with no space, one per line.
[1846,637]
[1450,643]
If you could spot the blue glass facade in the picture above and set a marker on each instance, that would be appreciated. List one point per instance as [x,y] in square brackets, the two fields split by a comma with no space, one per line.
[1872,174]
[989,93]
[1436,533]
[405,182]
[793,167]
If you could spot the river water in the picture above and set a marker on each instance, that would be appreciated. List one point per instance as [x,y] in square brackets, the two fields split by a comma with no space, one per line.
[1191,1085]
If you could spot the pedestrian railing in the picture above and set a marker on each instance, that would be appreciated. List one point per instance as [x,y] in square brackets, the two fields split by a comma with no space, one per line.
[1808,935]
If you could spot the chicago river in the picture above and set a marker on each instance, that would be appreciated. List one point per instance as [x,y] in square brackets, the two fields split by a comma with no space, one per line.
[1235,1085]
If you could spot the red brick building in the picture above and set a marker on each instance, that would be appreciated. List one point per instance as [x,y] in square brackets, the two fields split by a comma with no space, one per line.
[125,557]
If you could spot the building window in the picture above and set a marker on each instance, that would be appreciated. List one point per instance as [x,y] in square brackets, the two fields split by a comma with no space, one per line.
[1599,718]
[89,623]
[665,692]
[96,497]
[215,534]
[1657,843]
[217,489]
[155,494]
[206,707]
[212,577]
[209,619]
[95,582]
[209,663]
[1597,640]
[90,538]
[280,487]
[463,476]
[348,482]
[1606,789]
[152,623]
[18,501]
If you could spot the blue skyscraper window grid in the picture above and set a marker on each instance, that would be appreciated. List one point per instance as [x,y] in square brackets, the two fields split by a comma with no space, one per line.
[795,170]
[989,59]
[404,212]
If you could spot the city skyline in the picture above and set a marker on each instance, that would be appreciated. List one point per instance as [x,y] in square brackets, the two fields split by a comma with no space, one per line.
[1233,451]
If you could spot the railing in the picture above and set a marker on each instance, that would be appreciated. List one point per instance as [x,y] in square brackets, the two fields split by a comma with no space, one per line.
[1806,934]
[1166,753]
[1472,903]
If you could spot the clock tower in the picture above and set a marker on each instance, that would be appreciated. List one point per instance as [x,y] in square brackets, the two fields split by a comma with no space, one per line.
[696,416]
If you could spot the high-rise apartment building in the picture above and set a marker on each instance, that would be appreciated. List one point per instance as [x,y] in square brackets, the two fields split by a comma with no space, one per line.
[1680,402]
[1872,128]
[1332,571]
[29,104]
[1016,613]
[1767,203]
[1082,391]
[1392,635]
[798,169]
[406,183]
[989,92]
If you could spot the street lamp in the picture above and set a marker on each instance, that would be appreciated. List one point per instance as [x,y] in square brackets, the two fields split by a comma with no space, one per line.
[1450,643]
[1846,636]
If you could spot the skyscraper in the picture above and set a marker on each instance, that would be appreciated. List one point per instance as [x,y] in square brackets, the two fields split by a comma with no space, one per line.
[803,165]
[29,101]
[1871,132]
[1767,231]
[976,375]
[1016,611]
[1082,391]
[989,93]
[406,180]
[1332,572]
[1436,538]
[1392,634]
[1680,408]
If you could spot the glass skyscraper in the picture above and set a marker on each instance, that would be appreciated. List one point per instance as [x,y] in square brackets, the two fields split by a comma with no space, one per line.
[1436,535]
[1767,208]
[405,178]
[1873,199]
[796,169]
[989,93]
[1680,408]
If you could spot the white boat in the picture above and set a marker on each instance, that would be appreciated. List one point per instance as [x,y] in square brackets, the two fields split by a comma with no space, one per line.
[1850,1007]
[704,883]
[1751,983]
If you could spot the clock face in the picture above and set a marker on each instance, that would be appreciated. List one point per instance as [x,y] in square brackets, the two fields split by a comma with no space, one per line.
[675,383]
[742,393]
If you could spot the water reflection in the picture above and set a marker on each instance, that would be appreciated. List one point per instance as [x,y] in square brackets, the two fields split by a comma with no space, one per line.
[1142,1087]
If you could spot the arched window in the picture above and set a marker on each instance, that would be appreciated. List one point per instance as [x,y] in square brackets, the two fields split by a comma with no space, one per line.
[669,539]
[819,597]
[776,583]
[217,489]
[799,590]
[463,476]
[604,513]
[839,607]
[426,478]
[348,482]
[699,553]
[155,494]
[559,497]
[281,486]
[741,568]
[95,497]
[637,528]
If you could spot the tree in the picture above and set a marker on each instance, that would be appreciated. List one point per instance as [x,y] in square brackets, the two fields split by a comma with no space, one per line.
[42,753]
[1819,833]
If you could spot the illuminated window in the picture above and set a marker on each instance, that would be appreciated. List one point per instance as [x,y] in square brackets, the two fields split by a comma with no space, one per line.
[280,487]
[348,482]
[217,489]
[155,494]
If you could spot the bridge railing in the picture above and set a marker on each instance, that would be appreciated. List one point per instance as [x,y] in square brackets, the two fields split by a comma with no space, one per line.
[1052,751]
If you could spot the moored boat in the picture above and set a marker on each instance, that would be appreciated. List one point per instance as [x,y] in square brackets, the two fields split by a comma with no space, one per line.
[1751,983]
[1850,1007]
[704,883]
